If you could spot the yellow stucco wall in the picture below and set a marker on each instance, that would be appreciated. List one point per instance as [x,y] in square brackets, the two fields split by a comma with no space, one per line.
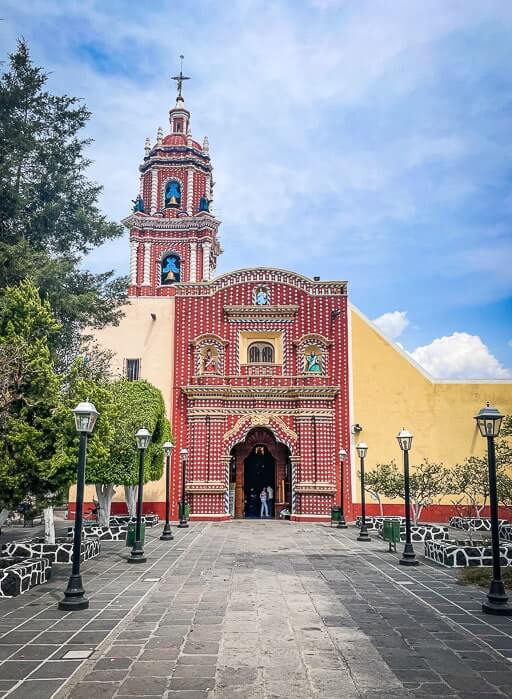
[390,391]
[138,335]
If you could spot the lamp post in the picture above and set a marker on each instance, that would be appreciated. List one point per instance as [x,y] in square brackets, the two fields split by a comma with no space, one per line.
[341,522]
[183,515]
[489,422]
[74,595]
[143,438]
[167,533]
[363,533]
[408,556]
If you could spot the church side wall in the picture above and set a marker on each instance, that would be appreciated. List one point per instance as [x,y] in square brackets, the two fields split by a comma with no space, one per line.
[139,336]
[391,392]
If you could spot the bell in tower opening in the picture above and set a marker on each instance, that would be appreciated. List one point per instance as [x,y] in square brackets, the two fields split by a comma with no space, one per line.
[173,194]
[170,269]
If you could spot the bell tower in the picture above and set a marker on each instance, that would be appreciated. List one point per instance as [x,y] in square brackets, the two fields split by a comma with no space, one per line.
[173,234]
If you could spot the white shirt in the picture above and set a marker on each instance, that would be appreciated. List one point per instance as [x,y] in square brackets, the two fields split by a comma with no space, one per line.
[270,492]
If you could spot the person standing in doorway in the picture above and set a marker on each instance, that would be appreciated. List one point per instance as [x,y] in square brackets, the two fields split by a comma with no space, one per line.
[264,505]
[270,500]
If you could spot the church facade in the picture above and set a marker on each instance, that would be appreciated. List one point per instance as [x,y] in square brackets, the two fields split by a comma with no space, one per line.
[266,374]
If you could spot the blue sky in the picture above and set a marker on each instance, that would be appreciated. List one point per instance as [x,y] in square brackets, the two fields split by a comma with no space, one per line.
[365,140]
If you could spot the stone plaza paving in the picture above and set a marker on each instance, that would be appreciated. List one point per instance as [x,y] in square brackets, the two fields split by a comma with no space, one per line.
[256,610]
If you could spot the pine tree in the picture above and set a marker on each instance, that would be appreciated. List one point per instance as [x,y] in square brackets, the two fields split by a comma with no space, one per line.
[49,215]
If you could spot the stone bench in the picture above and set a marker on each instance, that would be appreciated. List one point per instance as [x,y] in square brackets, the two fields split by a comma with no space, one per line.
[18,574]
[421,532]
[465,554]
[112,533]
[151,519]
[59,552]
[476,524]
[372,523]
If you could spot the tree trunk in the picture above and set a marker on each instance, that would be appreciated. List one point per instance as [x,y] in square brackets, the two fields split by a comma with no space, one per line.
[105,493]
[49,526]
[4,516]
[416,512]
[130,495]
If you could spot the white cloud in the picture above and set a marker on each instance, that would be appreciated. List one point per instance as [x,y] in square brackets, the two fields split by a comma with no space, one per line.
[393,323]
[460,356]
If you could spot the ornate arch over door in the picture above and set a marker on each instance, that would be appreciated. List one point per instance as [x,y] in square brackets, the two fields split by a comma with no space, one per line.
[261,438]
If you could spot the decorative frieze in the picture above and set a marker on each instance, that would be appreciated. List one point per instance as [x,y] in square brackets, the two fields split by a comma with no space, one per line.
[249,313]
[314,487]
[205,487]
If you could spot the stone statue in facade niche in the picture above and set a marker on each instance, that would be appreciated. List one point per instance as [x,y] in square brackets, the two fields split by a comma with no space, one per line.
[312,362]
[262,298]
[209,362]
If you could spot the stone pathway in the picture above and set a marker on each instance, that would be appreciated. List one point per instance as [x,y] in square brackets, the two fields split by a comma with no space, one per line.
[257,610]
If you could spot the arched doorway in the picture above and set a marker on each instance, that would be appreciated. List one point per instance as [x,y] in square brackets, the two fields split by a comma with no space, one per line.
[260,461]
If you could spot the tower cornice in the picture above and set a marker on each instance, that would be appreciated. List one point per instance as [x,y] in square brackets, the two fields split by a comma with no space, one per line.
[143,222]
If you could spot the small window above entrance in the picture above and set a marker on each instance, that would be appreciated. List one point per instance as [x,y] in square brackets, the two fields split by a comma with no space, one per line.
[260,353]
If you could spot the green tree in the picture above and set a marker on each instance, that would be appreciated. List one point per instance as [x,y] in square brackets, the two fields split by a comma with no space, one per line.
[30,397]
[139,404]
[381,482]
[427,482]
[469,481]
[468,484]
[86,379]
[49,215]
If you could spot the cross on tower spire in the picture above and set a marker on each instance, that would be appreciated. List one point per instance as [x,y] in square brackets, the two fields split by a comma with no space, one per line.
[180,78]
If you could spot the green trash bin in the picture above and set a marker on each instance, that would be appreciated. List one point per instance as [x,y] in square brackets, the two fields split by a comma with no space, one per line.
[335,514]
[130,534]
[187,510]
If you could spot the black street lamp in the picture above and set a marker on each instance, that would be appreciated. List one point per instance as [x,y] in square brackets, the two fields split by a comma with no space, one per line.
[167,533]
[143,438]
[363,533]
[183,515]
[408,556]
[74,595]
[489,422]
[341,522]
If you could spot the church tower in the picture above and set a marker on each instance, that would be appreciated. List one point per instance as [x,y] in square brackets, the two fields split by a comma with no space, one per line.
[173,234]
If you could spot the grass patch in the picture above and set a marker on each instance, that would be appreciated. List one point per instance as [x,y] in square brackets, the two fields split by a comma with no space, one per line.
[482,576]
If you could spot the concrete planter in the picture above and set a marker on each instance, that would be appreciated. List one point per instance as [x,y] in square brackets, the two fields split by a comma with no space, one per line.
[422,532]
[112,533]
[506,532]
[150,519]
[462,555]
[476,524]
[18,575]
[373,523]
[59,552]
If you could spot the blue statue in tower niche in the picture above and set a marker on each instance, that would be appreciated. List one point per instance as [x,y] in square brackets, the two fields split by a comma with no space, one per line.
[138,204]
[204,204]
[170,269]
[173,194]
